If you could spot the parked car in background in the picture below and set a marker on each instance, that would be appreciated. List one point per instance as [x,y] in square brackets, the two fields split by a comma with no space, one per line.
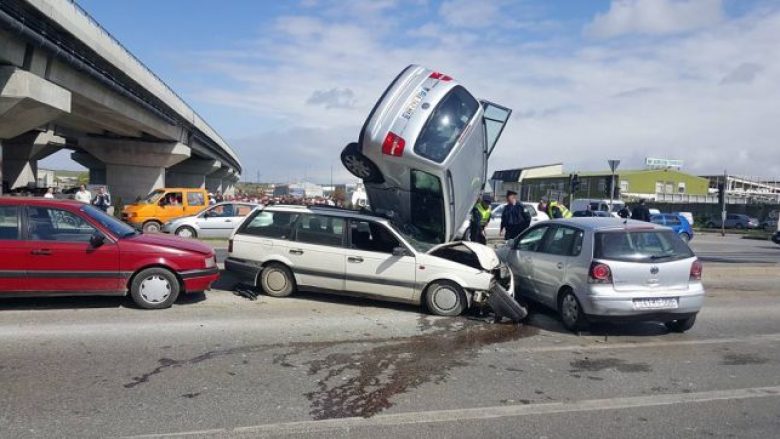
[770,225]
[65,248]
[591,213]
[734,221]
[282,249]
[676,222]
[597,205]
[423,151]
[493,228]
[217,221]
[591,269]
[162,205]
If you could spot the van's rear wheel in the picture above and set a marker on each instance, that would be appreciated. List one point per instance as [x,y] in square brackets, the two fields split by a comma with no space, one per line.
[445,298]
[152,227]
[359,165]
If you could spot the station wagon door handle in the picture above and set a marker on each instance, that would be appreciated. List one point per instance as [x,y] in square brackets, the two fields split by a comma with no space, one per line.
[41,252]
[560,265]
[296,251]
[355,259]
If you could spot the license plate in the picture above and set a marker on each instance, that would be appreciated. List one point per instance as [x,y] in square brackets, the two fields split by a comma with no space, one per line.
[414,103]
[655,303]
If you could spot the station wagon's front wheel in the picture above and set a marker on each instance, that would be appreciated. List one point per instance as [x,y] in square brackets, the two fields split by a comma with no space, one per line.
[154,288]
[359,165]
[445,298]
[571,313]
[277,280]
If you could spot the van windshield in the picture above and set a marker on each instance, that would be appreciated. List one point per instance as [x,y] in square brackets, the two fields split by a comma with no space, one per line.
[154,197]
[446,124]
[640,246]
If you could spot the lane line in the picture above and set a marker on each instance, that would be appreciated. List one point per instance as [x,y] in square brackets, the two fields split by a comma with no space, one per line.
[479,413]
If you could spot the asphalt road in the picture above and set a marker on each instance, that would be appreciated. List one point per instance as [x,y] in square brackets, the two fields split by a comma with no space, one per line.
[313,366]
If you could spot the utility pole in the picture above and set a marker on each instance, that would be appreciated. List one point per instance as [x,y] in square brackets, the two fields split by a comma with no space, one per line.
[613,165]
[723,193]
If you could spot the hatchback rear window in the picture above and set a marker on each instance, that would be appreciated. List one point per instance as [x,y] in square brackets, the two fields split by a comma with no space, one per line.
[446,124]
[640,246]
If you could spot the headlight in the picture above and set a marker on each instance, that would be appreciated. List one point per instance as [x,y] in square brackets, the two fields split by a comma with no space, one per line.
[211,262]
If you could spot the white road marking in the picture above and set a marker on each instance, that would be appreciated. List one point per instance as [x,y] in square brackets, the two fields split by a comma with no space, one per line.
[479,413]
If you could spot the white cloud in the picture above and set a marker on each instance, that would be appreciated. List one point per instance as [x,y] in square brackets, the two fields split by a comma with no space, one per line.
[469,13]
[655,17]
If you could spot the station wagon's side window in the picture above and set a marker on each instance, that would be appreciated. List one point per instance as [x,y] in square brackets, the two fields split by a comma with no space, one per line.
[564,241]
[45,224]
[9,223]
[320,229]
[195,199]
[532,240]
[277,225]
[372,237]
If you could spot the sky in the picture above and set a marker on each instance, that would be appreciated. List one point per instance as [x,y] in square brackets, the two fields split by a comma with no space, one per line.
[288,84]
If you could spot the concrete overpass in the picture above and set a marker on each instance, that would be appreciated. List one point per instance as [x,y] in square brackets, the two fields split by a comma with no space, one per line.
[65,82]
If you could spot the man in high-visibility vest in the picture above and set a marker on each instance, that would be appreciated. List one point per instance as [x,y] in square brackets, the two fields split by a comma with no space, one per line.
[480,217]
[555,209]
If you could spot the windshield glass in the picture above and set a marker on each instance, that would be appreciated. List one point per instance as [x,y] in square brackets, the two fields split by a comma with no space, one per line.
[641,246]
[426,208]
[444,127]
[117,228]
[153,197]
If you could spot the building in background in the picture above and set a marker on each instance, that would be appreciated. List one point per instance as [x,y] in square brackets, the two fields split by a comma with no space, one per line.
[512,179]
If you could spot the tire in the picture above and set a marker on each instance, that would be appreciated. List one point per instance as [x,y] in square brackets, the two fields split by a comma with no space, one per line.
[681,325]
[685,236]
[505,305]
[570,312]
[359,165]
[154,288]
[186,232]
[445,298]
[152,227]
[277,280]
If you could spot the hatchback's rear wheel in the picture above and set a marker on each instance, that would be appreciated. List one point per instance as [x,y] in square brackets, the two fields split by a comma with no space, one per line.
[277,280]
[359,165]
[571,313]
[681,325]
[154,288]
[445,298]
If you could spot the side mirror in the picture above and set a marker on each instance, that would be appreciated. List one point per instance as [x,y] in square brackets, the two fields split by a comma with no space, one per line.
[399,251]
[97,240]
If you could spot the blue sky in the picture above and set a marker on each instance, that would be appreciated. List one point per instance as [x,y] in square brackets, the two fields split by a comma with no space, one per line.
[289,83]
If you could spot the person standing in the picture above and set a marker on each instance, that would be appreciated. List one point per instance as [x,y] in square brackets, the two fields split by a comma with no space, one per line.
[641,212]
[102,200]
[49,193]
[83,195]
[480,216]
[555,209]
[514,218]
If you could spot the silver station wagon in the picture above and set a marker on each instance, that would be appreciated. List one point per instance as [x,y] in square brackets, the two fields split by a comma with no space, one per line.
[422,153]
[591,269]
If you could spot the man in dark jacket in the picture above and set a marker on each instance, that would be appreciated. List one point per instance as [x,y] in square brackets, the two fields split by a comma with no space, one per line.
[641,212]
[515,218]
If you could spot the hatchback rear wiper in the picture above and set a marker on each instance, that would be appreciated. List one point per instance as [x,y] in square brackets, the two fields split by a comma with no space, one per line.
[657,257]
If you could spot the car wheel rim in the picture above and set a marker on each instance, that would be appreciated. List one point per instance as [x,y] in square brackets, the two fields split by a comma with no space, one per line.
[276,281]
[357,166]
[570,310]
[445,298]
[155,289]
[185,233]
[152,228]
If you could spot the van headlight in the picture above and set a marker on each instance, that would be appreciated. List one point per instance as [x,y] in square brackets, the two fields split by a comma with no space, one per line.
[211,262]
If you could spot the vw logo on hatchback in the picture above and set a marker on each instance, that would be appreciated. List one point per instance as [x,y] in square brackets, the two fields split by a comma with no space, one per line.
[653,270]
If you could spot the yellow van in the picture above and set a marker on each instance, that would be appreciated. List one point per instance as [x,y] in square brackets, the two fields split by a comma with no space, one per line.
[150,213]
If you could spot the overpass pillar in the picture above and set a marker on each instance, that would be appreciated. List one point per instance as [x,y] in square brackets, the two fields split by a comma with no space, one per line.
[97,169]
[134,168]
[191,173]
[229,183]
[21,155]
[214,180]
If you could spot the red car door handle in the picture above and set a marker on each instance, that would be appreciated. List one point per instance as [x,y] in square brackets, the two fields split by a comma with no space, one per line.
[41,252]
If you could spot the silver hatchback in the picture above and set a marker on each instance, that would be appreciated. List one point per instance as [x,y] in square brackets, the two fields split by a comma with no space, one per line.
[591,269]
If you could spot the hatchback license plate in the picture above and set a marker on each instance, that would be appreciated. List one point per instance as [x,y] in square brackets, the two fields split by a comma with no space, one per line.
[407,114]
[655,303]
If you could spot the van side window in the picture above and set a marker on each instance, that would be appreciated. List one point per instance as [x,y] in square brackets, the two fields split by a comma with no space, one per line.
[172,199]
[9,223]
[276,225]
[319,229]
[195,199]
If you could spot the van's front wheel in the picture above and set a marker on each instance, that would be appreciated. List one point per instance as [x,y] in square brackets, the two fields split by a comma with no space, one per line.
[359,165]
[152,227]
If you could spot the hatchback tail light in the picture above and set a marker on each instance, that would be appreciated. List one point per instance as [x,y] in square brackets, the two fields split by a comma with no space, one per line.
[440,76]
[599,273]
[230,246]
[393,145]
[696,269]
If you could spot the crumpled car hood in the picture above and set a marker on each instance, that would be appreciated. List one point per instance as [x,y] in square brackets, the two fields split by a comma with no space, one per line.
[486,255]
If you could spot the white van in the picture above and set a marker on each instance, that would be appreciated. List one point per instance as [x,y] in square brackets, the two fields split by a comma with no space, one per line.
[597,205]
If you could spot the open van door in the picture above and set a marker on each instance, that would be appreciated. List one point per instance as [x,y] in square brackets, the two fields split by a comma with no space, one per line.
[495,117]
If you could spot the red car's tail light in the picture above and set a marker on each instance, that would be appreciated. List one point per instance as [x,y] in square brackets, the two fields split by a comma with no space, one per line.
[440,76]
[393,145]
[696,269]
[600,273]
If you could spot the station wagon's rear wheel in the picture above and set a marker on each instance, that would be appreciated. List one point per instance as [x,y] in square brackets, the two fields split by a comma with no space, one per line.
[571,313]
[277,280]
[359,165]
[445,298]
[186,232]
[152,227]
[154,288]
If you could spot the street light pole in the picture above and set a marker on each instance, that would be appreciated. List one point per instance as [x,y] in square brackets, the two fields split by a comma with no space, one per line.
[613,165]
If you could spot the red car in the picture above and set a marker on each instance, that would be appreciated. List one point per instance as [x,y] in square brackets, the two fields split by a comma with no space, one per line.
[66,248]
